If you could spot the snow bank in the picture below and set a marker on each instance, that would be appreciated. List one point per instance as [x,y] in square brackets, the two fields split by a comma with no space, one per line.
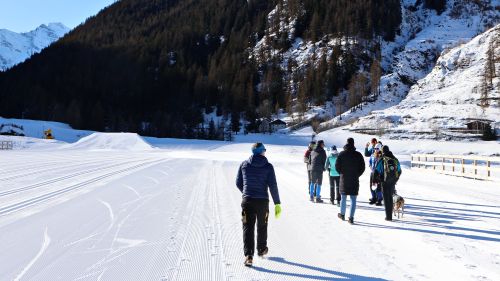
[111,141]
[35,128]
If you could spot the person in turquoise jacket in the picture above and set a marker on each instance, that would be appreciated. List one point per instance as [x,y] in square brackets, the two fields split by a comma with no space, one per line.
[334,176]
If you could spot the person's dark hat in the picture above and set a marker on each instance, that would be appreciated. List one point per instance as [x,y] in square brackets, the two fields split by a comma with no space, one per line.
[350,141]
[321,142]
[385,149]
[334,147]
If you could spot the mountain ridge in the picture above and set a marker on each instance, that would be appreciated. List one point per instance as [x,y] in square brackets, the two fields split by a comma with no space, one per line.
[15,47]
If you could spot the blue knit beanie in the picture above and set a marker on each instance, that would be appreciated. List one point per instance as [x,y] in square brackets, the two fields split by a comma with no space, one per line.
[258,148]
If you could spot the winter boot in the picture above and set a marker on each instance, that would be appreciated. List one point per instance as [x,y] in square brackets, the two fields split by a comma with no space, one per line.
[351,220]
[340,216]
[379,203]
[338,203]
[319,200]
[372,201]
[249,261]
[263,252]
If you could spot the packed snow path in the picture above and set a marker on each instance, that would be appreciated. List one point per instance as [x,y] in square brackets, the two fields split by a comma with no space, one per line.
[174,214]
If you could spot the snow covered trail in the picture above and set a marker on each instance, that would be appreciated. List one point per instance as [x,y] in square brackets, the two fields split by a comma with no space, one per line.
[175,215]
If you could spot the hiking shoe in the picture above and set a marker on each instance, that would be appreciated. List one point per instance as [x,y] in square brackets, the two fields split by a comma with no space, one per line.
[311,199]
[340,216]
[319,200]
[378,203]
[249,261]
[388,219]
[263,252]
[371,202]
[351,220]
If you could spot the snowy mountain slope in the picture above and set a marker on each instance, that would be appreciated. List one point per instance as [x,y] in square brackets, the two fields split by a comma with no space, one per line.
[450,94]
[424,37]
[109,215]
[17,47]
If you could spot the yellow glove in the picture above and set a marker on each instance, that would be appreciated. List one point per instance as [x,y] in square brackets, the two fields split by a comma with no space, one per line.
[277,211]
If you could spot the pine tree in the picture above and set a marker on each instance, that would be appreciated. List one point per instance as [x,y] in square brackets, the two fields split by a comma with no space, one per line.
[375,75]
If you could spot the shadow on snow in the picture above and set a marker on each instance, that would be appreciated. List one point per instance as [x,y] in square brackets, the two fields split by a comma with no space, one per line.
[335,275]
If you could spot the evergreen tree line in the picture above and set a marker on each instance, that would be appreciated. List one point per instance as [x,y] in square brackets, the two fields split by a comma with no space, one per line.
[151,66]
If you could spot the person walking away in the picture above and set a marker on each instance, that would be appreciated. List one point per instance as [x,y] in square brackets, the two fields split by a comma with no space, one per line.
[388,170]
[307,160]
[374,181]
[370,147]
[350,165]
[334,176]
[255,177]
[318,158]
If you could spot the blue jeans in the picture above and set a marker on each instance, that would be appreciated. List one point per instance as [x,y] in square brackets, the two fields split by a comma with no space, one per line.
[343,202]
[315,190]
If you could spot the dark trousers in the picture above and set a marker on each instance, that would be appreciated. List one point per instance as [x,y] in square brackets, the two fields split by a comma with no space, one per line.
[387,190]
[334,188]
[377,192]
[254,210]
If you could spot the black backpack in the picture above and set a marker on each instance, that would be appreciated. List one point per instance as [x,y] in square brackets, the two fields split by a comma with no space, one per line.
[391,174]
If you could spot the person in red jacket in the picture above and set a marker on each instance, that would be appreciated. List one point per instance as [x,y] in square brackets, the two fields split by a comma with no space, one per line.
[307,160]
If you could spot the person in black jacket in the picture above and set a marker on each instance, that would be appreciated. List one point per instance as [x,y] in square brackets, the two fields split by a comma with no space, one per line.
[318,159]
[388,170]
[255,176]
[351,165]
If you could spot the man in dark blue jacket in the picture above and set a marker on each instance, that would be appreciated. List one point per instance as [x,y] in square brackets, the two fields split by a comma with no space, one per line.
[255,176]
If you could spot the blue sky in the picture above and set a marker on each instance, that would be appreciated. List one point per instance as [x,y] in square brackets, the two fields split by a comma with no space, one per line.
[26,15]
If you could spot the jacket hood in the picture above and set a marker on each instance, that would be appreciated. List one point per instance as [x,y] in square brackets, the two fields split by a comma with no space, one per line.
[319,148]
[349,147]
[389,154]
[257,160]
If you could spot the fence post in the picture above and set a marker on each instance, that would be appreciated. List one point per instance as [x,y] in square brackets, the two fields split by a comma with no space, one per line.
[488,165]
[434,163]
[425,165]
[463,167]
[419,161]
[475,167]
[442,163]
[453,165]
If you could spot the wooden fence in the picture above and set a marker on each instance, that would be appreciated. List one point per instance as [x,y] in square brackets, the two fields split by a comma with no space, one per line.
[6,145]
[477,167]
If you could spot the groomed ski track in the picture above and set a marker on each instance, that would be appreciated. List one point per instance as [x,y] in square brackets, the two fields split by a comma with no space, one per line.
[175,215]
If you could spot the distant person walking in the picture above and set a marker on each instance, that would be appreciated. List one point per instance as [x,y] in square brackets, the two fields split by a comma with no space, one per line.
[351,165]
[307,160]
[334,176]
[370,147]
[375,181]
[318,158]
[388,170]
[255,176]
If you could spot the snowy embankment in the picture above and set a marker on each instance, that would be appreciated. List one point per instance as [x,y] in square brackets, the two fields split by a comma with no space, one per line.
[173,213]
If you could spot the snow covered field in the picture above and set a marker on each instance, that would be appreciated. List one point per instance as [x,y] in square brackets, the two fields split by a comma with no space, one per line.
[113,208]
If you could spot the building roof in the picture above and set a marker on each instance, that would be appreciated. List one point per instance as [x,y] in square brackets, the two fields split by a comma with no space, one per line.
[278,122]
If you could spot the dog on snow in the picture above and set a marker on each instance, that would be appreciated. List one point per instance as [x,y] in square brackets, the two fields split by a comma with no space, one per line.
[398,205]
